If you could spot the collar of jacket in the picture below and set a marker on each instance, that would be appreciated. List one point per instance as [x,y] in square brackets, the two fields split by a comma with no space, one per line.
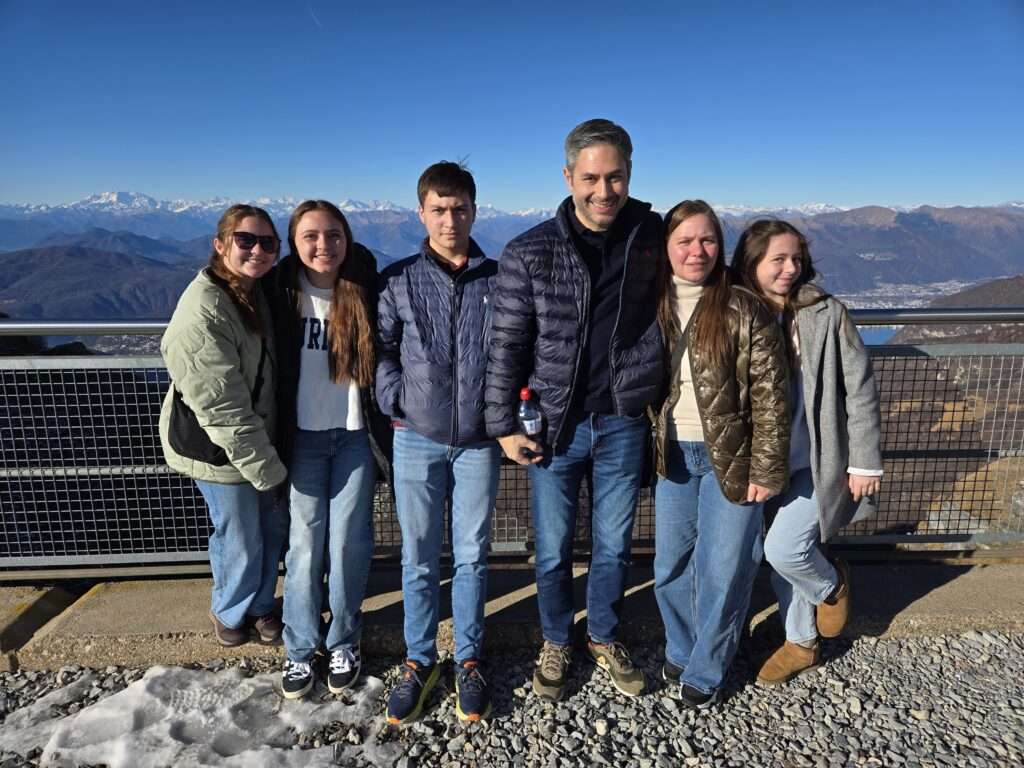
[474,259]
[630,217]
[809,296]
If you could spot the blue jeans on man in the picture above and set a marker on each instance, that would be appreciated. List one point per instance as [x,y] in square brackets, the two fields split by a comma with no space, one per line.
[427,474]
[331,499]
[707,552]
[612,449]
[245,550]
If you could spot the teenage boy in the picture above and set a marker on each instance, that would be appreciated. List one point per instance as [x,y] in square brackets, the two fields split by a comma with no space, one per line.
[575,318]
[433,324]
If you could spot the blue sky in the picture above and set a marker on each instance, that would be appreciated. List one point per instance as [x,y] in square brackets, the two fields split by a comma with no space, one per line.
[759,103]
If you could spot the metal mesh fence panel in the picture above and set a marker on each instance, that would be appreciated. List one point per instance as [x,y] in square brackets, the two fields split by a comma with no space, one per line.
[82,477]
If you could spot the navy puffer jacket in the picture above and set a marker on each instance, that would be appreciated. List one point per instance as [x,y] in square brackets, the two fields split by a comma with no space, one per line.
[541,317]
[433,329]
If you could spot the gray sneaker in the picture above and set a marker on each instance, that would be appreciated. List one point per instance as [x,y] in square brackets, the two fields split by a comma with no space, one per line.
[552,666]
[614,659]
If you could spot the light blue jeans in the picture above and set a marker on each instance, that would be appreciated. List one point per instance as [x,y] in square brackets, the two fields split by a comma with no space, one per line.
[245,549]
[611,448]
[707,552]
[331,500]
[429,474]
[802,577]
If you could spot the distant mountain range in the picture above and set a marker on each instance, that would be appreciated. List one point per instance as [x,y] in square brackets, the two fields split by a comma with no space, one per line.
[124,254]
[1006,292]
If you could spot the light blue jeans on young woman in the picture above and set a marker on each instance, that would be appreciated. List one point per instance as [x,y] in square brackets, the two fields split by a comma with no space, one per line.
[802,576]
[707,552]
[611,448]
[331,499]
[428,473]
[245,549]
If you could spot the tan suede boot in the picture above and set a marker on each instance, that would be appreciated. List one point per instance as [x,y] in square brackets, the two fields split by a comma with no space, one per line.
[832,616]
[787,662]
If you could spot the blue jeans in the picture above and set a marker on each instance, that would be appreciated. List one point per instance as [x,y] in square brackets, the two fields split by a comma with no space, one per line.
[245,549]
[612,448]
[427,475]
[331,499]
[802,577]
[707,552]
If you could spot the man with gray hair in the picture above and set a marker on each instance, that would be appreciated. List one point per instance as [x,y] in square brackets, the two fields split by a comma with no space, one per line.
[574,318]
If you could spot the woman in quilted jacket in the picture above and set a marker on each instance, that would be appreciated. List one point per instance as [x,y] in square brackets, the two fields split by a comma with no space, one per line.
[721,439]
[217,421]
[833,481]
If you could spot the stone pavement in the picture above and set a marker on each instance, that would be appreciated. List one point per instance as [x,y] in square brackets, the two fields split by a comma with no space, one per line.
[146,622]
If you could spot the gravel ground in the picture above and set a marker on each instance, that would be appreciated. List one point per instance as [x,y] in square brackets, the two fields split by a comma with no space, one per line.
[955,700]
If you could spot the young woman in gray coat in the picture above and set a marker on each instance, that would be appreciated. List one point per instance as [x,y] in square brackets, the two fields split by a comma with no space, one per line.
[835,460]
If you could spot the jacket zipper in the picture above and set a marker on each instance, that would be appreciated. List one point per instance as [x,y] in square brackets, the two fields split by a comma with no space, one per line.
[582,340]
[456,309]
[618,316]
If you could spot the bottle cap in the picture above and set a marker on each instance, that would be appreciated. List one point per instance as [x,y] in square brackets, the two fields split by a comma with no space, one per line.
[524,393]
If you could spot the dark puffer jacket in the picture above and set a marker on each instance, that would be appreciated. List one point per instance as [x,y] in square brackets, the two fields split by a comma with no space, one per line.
[281,287]
[542,315]
[433,329]
[744,409]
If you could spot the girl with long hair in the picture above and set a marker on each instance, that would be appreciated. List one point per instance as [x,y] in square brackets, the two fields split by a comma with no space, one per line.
[323,298]
[721,438]
[835,460]
[217,421]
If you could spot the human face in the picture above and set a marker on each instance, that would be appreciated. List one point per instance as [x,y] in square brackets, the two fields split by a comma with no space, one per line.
[599,185]
[250,264]
[779,268]
[448,220]
[693,249]
[321,245]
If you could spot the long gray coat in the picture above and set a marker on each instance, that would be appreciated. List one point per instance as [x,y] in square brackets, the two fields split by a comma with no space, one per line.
[841,400]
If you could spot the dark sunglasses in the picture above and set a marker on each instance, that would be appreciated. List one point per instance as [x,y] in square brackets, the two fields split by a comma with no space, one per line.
[247,241]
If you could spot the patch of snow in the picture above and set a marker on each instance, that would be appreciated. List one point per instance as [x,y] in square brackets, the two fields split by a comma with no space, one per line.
[181,717]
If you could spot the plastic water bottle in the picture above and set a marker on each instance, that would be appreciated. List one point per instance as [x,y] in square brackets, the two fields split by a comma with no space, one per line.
[530,422]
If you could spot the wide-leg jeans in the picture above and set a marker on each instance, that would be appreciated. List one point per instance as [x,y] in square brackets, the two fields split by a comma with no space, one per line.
[612,449]
[707,552]
[330,497]
[245,549]
[427,473]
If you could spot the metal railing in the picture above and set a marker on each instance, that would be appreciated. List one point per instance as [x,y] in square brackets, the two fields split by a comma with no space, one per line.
[82,478]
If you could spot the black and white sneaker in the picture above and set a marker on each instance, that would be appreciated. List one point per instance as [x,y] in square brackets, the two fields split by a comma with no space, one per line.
[670,673]
[343,669]
[697,699]
[296,679]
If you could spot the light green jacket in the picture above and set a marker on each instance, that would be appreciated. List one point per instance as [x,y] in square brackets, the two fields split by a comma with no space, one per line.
[212,359]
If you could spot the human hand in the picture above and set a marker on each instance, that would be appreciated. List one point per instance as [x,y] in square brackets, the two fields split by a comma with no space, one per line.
[758,493]
[863,485]
[514,445]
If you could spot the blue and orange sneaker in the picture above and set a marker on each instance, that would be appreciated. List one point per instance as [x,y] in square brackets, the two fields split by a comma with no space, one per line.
[472,701]
[410,692]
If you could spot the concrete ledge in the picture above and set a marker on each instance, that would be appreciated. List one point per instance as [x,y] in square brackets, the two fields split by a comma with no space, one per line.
[165,621]
[23,611]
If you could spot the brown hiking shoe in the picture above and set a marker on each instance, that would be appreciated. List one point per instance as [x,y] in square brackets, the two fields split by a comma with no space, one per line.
[268,627]
[552,666]
[227,636]
[787,662]
[614,659]
[835,611]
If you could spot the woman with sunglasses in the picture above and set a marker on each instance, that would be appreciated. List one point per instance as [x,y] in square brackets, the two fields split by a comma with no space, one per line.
[323,298]
[217,421]
[835,458]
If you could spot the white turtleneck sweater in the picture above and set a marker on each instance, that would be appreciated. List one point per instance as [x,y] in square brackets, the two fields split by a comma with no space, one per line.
[684,422]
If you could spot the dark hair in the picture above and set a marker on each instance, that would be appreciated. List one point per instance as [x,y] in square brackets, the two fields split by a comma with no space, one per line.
[446,179]
[752,248]
[598,131]
[241,297]
[351,318]
[711,333]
